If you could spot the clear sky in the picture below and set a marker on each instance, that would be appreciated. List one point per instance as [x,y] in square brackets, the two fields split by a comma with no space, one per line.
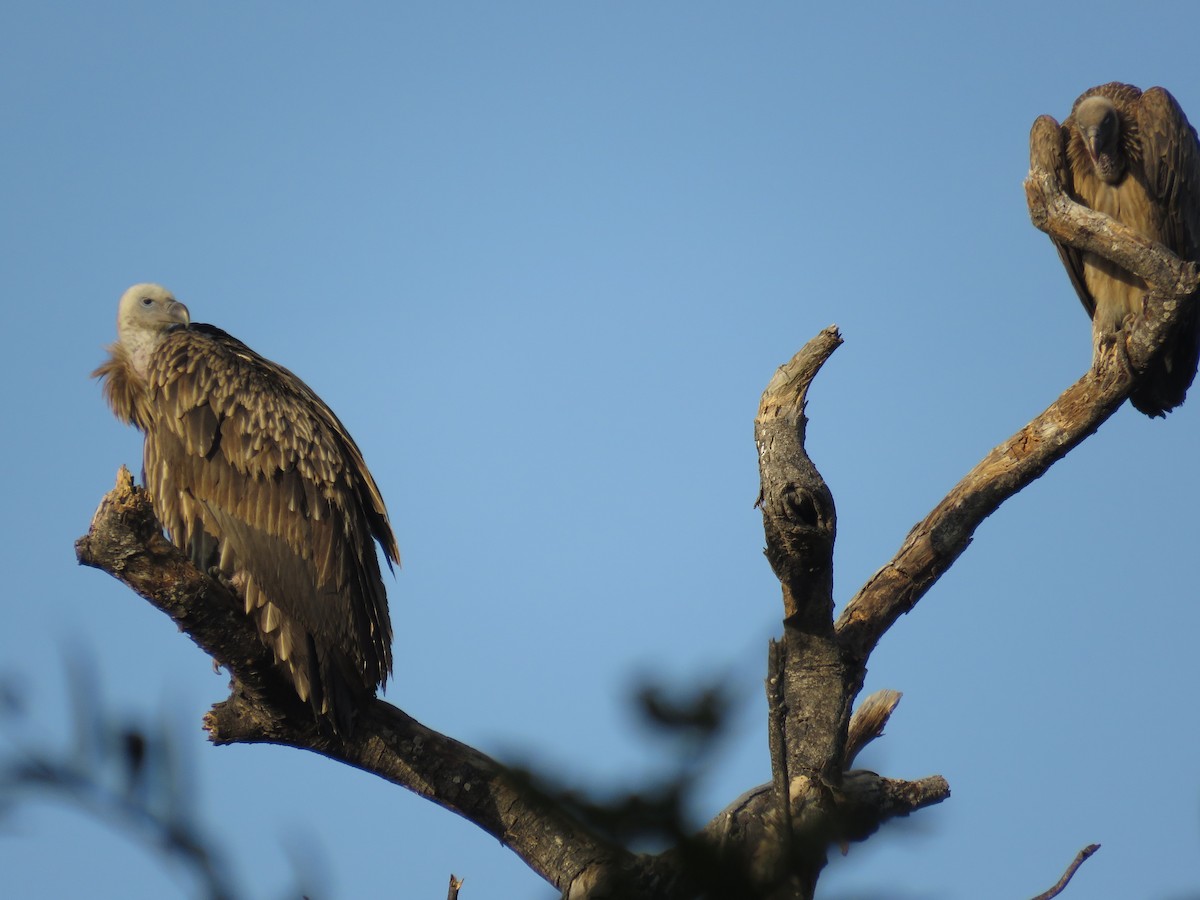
[542,258]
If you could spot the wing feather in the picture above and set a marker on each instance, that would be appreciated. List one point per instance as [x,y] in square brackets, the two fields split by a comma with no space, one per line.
[252,473]
[1171,160]
[1170,156]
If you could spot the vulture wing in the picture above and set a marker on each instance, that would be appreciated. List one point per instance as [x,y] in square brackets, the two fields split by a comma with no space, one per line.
[254,475]
[1170,166]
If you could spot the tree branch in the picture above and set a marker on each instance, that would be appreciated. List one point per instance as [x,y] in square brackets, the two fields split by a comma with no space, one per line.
[810,686]
[1080,858]
[937,541]
[125,540]
[868,723]
[1060,217]
[797,506]
[866,801]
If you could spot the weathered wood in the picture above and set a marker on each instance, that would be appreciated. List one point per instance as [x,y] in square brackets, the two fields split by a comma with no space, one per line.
[1053,212]
[797,507]
[810,687]
[126,541]
[937,541]
[868,723]
[1059,886]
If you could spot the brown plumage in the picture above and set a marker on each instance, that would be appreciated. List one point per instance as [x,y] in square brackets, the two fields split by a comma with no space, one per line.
[1134,157]
[254,476]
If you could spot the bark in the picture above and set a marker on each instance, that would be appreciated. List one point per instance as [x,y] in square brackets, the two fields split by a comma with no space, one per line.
[809,686]
[1059,886]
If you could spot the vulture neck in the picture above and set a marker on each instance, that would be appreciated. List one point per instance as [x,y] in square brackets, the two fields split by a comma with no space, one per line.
[138,346]
[124,386]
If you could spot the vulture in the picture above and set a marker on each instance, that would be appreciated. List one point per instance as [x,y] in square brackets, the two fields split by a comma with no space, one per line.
[256,479]
[1133,156]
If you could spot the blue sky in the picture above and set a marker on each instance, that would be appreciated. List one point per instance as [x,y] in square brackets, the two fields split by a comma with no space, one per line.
[542,258]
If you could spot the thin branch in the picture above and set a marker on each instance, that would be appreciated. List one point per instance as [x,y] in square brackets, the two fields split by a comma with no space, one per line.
[868,722]
[807,681]
[1080,858]
[940,538]
[455,885]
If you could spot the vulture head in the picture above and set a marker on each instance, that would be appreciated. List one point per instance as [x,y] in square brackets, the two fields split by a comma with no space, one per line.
[145,312]
[1099,125]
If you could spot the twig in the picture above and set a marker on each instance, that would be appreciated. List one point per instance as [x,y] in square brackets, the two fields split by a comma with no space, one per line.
[868,721]
[1053,212]
[1080,858]
[455,884]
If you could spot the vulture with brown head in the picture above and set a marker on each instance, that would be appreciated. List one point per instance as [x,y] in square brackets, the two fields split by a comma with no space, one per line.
[1133,156]
[259,482]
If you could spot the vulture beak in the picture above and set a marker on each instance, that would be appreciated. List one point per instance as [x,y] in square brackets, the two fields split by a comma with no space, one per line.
[178,312]
[1091,140]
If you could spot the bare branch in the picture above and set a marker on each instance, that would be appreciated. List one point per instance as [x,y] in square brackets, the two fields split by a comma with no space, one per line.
[455,885]
[1053,212]
[125,540]
[937,541]
[810,684]
[865,801]
[868,722]
[807,682]
[868,800]
[1080,858]
[798,512]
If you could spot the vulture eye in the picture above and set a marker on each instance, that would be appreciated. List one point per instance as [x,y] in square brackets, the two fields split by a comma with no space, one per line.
[147,301]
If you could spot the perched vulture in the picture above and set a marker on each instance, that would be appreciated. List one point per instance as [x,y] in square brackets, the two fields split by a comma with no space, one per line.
[256,479]
[1134,157]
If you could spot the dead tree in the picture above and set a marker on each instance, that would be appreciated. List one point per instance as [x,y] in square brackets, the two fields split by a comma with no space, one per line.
[772,841]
